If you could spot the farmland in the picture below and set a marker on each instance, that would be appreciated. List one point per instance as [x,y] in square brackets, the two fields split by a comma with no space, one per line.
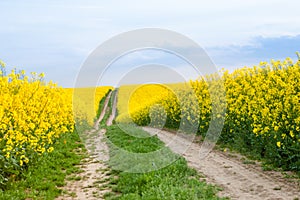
[261,103]
[41,122]
[35,115]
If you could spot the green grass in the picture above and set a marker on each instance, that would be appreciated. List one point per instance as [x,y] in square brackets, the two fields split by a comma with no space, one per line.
[252,158]
[175,181]
[43,179]
[101,104]
[108,110]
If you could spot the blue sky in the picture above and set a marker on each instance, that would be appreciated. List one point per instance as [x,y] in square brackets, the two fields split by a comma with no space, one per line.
[56,36]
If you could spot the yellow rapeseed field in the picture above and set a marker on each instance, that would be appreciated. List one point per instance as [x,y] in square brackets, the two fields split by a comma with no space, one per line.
[33,114]
[85,105]
[262,108]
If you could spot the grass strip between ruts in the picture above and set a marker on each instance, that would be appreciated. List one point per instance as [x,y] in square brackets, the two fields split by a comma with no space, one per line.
[175,181]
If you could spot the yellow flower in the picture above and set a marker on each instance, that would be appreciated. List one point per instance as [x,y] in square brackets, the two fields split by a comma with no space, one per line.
[34,114]
[50,149]
[292,134]
[278,144]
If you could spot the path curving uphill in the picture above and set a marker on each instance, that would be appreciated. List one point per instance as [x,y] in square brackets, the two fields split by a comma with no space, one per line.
[103,111]
[91,182]
[112,116]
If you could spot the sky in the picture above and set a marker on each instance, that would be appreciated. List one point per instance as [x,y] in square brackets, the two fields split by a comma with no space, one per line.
[56,37]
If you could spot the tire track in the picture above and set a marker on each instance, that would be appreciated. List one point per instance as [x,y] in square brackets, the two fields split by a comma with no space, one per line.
[91,182]
[238,180]
[104,110]
[113,110]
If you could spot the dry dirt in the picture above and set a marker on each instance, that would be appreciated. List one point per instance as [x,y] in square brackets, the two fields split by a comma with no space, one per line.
[91,182]
[113,111]
[237,178]
[104,109]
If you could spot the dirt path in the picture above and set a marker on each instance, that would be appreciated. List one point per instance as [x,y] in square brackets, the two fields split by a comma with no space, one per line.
[238,179]
[113,110]
[104,109]
[91,182]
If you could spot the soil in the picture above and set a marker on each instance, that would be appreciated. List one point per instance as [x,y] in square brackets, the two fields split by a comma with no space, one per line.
[91,182]
[238,177]
[113,111]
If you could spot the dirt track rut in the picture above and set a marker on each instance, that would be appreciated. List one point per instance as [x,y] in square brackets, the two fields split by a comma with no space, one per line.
[95,172]
[238,180]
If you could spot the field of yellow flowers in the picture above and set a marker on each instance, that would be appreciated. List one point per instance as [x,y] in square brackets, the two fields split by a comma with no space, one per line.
[33,115]
[262,108]
[86,102]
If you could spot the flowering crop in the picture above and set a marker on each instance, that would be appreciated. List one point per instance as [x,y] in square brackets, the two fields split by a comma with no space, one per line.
[33,114]
[86,106]
[262,108]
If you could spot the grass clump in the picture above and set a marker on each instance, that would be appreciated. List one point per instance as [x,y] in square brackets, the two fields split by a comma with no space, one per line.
[175,181]
[43,179]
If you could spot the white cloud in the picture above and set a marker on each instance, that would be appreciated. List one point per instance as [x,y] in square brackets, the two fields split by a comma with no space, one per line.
[77,27]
